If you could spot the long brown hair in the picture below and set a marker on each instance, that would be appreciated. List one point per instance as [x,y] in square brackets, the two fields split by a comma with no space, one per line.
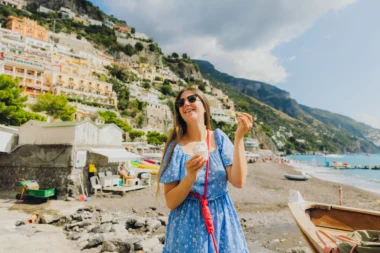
[179,129]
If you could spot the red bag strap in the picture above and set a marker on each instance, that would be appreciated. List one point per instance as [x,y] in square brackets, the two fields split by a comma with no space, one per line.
[207,164]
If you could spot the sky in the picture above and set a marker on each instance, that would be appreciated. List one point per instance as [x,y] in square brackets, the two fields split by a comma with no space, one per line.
[323,52]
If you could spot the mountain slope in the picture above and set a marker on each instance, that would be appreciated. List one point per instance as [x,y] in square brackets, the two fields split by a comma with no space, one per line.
[322,130]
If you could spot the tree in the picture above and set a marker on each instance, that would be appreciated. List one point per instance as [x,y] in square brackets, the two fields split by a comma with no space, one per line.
[139,46]
[152,47]
[129,50]
[56,106]
[140,120]
[175,55]
[133,30]
[184,56]
[156,138]
[133,134]
[146,85]
[202,87]
[12,103]
[243,105]
[110,117]
[166,89]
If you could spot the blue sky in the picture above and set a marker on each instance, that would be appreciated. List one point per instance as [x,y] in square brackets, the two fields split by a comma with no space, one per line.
[324,52]
[336,65]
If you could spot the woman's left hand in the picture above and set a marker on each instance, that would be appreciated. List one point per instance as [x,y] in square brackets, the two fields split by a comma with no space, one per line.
[244,125]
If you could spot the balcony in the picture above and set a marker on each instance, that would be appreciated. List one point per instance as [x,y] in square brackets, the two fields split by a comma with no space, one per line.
[57,85]
[8,72]
[85,93]
[31,76]
[20,74]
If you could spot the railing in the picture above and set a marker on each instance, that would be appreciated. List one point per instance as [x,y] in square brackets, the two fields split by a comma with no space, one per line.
[31,76]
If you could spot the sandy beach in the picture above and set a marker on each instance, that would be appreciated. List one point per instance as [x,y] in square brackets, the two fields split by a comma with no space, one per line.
[261,206]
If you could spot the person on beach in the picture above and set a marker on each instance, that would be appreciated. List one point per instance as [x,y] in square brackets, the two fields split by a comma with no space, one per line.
[184,177]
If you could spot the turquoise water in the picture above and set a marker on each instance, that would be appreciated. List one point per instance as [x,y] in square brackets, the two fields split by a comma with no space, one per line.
[364,179]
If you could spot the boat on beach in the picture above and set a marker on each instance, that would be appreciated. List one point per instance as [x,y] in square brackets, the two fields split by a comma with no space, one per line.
[324,225]
[302,177]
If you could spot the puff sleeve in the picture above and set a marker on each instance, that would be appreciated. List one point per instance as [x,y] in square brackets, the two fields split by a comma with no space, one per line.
[226,148]
[172,171]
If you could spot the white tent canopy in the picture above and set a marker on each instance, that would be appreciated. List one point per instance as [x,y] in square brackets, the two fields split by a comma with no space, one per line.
[116,155]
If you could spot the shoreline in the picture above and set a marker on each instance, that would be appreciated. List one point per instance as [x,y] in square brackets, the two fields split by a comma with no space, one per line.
[261,206]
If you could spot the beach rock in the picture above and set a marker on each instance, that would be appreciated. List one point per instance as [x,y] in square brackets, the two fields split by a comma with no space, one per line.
[120,230]
[94,241]
[104,228]
[78,224]
[161,238]
[48,219]
[299,250]
[19,223]
[163,220]
[153,208]
[150,244]
[158,249]
[77,216]
[108,247]
[106,217]
[74,236]
[123,246]
[153,224]
[160,214]
[135,223]
[83,237]
[275,241]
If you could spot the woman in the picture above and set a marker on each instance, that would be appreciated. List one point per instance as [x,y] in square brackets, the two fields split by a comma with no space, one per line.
[183,175]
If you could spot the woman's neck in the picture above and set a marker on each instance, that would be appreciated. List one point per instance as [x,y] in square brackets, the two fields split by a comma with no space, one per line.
[196,132]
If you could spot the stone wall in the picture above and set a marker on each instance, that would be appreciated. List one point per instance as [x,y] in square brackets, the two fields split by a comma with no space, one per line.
[51,166]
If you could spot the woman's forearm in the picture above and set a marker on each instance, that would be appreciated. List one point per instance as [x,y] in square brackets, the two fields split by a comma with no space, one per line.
[239,166]
[177,195]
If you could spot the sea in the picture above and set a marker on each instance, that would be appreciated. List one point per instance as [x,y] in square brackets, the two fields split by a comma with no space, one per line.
[365,179]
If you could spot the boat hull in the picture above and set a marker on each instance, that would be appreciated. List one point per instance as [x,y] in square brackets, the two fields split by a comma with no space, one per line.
[296,177]
[335,220]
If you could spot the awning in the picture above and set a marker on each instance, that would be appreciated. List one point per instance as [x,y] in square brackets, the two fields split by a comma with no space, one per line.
[116,155]
[152,155]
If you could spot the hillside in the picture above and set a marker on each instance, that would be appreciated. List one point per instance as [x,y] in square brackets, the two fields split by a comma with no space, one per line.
[282,123]
[321,130]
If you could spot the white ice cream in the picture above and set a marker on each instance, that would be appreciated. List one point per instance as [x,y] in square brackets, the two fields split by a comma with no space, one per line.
[201,149]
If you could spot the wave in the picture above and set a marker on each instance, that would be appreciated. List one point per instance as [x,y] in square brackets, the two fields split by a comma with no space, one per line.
[348,177]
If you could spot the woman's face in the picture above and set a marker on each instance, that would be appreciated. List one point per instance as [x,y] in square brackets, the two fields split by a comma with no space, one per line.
[192,110]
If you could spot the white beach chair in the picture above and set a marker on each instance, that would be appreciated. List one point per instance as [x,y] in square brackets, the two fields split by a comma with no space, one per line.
[114,178]
[95,184]
[104,180]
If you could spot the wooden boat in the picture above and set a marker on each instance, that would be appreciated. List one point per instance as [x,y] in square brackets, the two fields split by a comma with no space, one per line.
[318,221]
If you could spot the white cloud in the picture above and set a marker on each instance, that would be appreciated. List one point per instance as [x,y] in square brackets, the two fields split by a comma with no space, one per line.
[291,58]
[236,36]
[368,119]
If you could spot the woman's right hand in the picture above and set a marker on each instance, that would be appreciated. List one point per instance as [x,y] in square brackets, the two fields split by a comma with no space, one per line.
[194,165]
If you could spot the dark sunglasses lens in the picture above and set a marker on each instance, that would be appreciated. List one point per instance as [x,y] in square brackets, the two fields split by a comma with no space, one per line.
[192,98]
[180,102]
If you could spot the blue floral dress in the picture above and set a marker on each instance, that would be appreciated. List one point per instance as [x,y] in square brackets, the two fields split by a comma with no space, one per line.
[186,231]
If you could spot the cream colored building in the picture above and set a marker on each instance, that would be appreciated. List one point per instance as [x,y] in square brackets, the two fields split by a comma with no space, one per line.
[91,90]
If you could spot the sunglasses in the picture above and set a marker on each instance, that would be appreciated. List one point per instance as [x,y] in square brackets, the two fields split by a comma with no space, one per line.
[181,102]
